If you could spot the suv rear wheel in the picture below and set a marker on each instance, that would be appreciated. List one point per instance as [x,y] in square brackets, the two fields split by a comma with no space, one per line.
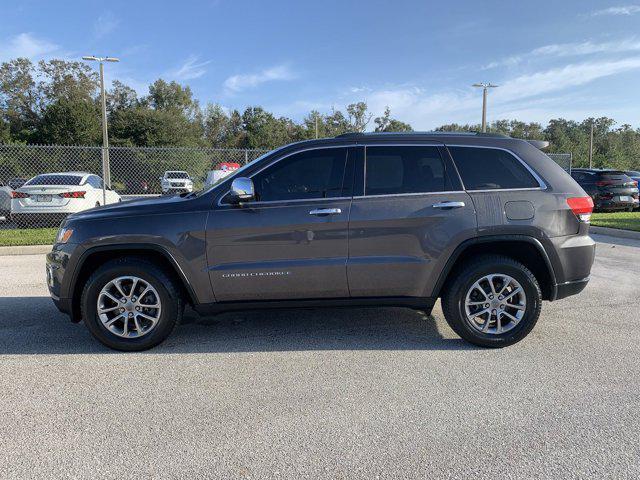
[494,301]
[131,304]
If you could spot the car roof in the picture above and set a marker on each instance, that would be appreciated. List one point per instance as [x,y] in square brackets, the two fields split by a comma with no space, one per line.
[382,138]
[369,135]
[73,174]
[597,170]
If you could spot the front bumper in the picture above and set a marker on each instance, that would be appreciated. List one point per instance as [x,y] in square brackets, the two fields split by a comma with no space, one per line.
[57,266]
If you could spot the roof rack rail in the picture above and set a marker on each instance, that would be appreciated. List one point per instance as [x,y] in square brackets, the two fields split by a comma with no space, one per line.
[434,134]
[349,134]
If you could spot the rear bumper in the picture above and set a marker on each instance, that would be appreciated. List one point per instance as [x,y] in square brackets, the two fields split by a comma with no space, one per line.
[567,289]
[613,204]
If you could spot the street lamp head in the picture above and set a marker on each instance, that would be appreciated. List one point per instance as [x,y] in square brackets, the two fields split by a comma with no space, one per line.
[93,58]
[484,85]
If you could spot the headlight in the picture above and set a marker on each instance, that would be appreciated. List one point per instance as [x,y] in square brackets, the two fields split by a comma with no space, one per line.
[64,234]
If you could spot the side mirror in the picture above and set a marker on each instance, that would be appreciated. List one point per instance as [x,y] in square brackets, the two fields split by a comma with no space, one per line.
[241,190]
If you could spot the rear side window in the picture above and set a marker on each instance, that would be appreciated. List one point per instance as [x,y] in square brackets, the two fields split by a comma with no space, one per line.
[311,174]
[95,182]
[394,170]
[491,168]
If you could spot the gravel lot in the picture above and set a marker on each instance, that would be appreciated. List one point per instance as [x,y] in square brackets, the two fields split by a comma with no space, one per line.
[336,393]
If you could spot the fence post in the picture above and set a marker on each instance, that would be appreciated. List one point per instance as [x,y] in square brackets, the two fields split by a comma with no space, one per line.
[246,156]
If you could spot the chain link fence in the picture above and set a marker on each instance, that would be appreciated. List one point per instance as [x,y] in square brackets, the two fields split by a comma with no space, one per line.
[563,159]
[42,184]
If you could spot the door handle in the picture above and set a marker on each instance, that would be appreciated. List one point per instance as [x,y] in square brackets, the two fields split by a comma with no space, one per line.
[448,205]
[321,212]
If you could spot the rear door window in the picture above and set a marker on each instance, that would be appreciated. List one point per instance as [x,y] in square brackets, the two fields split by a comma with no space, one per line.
[404,169]
[490,169]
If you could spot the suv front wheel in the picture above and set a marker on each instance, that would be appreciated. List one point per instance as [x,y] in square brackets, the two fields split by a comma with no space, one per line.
[494,301]
[131,304]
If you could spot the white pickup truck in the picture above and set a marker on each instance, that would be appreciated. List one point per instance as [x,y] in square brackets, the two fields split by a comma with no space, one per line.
[174,181]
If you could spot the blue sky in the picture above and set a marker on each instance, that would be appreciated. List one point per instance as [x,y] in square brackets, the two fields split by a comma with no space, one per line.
[568,58]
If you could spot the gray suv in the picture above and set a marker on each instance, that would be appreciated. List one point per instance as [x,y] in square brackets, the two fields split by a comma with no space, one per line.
[488,224]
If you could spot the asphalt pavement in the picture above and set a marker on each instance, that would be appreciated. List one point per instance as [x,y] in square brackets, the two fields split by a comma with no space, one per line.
[325,393]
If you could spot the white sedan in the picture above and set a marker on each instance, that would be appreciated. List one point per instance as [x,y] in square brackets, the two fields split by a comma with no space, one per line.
[50,197]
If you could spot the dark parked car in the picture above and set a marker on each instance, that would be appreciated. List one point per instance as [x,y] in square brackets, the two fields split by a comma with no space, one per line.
[487,223]
[635,176]
[610,189]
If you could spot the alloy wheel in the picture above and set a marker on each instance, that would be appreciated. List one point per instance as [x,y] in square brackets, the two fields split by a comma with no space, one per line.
[129,307]
[495,304]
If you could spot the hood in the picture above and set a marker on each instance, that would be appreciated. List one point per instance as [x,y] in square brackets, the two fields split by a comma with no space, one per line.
[138,206]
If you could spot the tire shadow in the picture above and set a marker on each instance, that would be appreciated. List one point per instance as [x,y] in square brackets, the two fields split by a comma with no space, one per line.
[32,325]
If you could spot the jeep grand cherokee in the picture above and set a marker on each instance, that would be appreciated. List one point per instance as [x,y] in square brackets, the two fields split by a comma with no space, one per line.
[488,224]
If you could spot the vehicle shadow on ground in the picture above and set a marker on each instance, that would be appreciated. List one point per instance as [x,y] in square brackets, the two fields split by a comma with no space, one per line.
[32,325]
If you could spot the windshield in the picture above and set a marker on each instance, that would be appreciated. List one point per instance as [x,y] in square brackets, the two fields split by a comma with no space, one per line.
[237,172]
[55,180]
[177,175]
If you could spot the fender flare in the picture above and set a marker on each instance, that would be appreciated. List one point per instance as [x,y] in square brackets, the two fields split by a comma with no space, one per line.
[442,278]
[123,248]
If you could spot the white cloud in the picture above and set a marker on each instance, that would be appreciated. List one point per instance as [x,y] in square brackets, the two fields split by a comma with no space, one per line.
[105,24]
[564,77]
[191,68]
[27,45]
[569,49]
[532,97]
[622,10]
[237,83]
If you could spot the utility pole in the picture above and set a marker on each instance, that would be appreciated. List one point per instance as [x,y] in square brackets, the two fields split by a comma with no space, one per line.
[591,147]
[316,127]
[485,86]
[106,169]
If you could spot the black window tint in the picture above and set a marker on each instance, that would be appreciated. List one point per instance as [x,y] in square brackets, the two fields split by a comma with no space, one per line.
[391,170]
[490,168]
[310,174]
[53,179]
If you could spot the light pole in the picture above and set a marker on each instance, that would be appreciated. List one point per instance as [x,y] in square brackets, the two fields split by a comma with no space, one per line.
[591,146]
[485,87]
[106,171]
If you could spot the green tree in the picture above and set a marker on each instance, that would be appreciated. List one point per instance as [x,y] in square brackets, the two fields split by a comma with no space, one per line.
[358,116]
[20,98]
[388,124]
[70,122]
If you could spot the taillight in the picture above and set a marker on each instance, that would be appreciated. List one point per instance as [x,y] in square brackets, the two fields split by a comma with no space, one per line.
[19,195]
[72,194]
[581,207]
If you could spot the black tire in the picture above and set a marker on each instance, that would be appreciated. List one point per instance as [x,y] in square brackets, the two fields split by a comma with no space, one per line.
[163,282]
[453,300]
